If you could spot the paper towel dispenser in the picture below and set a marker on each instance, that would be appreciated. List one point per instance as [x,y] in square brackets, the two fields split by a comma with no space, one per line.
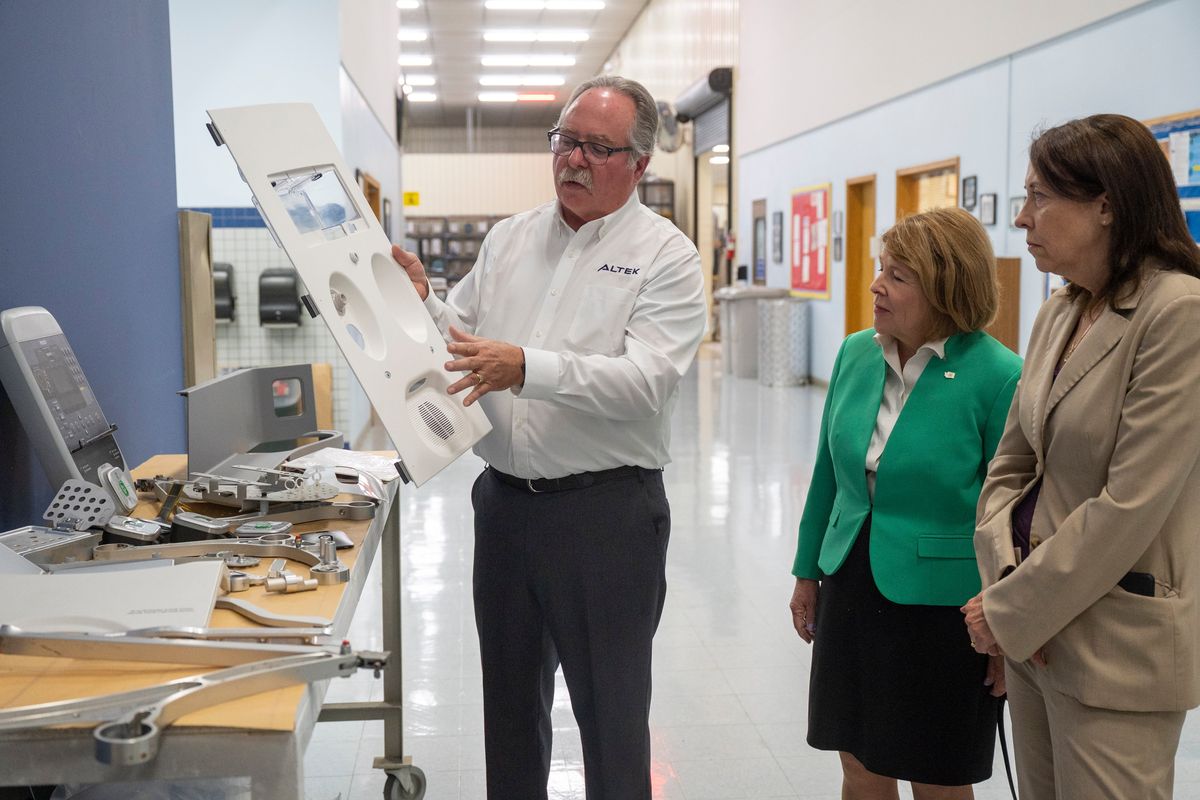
[223,296]
[279,297]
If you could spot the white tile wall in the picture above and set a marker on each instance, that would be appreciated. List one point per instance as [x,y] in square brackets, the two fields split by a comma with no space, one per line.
[246,343]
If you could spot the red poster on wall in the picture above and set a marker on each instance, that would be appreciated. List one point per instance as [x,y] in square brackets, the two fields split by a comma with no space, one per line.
[810,241]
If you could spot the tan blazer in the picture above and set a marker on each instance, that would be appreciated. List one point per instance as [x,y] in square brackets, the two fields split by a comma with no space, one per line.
[1116,439]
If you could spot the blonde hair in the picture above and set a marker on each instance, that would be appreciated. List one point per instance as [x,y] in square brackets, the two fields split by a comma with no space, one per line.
[955,265]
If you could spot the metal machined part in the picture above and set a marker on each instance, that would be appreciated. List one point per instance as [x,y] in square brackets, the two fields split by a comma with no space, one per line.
[330,571]
[289,583]
[300,635]
[268,485]
[132,722]
[239,560]
[130,647]
[241,581]
[190,550]
[296,512]
[262,616]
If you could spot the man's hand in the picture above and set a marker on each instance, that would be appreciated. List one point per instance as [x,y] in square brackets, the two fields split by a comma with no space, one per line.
[494,366]
[804,608]
[416,272]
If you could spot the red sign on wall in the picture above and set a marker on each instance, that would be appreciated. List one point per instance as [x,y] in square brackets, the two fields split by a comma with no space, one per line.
[810,241]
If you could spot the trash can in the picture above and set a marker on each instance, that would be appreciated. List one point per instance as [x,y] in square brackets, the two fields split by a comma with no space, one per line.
[783,341]
[739,326]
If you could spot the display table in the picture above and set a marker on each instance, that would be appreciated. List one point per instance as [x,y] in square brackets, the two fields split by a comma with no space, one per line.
[261,737]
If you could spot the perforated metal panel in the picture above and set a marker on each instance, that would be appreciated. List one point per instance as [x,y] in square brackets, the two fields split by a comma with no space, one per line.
[783,342]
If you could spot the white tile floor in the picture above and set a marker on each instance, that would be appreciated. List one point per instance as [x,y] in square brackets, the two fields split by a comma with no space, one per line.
[731,677]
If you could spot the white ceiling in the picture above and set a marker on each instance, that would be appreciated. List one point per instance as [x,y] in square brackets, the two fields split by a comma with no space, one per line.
[456,43]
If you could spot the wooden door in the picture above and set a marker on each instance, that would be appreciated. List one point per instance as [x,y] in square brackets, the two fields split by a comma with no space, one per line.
[926,186]
[860,266]
[373,192]
[1007,325]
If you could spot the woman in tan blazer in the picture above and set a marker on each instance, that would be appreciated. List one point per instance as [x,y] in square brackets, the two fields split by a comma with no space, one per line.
[1088,536]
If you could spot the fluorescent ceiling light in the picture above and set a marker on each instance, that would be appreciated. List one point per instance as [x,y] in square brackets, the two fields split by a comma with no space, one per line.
[419,80]
[522,80]
[720,148]
[412,35]
[548,5]
[517,97]
[414,60]
[422,97]
[520,35]
[407,5]
[714,160]
[529,60]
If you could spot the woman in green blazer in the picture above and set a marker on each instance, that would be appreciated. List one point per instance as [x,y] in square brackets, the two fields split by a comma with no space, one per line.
[885,556]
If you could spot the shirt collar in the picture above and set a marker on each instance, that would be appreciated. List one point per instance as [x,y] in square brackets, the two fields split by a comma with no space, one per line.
[888,344]
[602,225]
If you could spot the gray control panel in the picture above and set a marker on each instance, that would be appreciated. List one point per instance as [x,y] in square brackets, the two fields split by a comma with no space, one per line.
[53,399]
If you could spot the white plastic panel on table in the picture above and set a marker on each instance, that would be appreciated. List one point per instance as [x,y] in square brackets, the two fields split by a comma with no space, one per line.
[319,216]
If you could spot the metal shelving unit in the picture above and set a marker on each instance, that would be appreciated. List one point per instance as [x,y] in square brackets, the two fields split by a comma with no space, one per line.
[448,246]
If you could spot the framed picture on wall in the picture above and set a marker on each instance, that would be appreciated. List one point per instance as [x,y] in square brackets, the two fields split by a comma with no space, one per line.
[969,187]
[777,237]
[987,208]
[1014,208]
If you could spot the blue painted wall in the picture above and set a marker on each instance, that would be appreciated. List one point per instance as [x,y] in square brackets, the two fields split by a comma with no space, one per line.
[88,216]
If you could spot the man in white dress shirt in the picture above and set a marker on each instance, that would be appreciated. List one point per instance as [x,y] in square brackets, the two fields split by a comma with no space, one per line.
[575,326]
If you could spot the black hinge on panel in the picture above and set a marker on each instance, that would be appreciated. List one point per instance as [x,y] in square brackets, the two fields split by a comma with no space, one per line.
[313,311]
[212,131]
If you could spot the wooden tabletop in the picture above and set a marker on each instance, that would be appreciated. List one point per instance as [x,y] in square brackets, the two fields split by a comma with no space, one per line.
[27,680]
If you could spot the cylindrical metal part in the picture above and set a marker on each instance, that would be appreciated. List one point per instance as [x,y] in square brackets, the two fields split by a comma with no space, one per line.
[328,549]
[126,743]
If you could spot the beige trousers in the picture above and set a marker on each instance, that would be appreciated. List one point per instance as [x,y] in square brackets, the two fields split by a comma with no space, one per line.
[1068,751]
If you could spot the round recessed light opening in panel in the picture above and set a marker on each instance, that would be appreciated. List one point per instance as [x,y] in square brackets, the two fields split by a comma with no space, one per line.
[355,313]
[399,297]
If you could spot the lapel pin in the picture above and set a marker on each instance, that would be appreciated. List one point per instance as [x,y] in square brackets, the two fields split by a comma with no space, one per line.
[949,375]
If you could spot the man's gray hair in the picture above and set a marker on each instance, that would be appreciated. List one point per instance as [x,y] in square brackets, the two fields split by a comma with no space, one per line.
[645,119]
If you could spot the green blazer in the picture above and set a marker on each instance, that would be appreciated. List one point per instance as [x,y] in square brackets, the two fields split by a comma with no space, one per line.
[930,473]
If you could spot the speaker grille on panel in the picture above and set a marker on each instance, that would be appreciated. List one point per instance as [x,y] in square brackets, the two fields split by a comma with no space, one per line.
[436,419]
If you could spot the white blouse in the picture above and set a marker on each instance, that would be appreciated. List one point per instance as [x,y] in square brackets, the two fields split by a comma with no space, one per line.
[897,386]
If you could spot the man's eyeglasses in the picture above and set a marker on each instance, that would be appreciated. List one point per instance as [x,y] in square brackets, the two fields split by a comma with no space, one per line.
[594,152]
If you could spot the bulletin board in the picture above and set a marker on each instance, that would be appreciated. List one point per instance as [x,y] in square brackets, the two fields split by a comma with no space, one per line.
[810,241]
[1179,137]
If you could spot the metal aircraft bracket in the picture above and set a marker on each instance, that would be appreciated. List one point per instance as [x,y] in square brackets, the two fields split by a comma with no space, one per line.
[131,722]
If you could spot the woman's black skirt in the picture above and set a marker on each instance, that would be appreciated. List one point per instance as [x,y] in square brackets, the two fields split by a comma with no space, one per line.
[898,686]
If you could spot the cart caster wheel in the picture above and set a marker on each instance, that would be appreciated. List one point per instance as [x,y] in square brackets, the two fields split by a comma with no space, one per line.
[407,783]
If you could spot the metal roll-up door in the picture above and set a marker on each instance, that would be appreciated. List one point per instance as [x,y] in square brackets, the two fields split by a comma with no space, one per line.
[712,128]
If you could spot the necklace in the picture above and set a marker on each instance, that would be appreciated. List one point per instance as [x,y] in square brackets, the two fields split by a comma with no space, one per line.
[1075,343]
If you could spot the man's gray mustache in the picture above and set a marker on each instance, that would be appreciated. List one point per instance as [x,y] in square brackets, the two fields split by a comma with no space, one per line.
[580,176]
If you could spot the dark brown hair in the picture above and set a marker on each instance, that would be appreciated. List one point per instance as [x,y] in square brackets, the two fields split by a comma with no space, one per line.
[1117,156]
[952,256]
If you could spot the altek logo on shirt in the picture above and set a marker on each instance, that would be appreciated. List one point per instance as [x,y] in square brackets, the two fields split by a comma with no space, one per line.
[620,270]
